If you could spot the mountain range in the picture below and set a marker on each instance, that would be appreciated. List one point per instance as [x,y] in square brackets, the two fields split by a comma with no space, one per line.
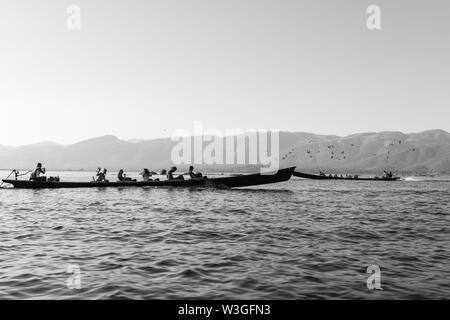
[426,152]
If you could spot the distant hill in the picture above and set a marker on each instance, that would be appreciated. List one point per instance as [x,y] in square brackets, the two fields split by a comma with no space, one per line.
[424,152]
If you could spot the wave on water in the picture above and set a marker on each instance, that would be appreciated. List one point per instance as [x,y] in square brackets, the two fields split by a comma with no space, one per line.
[413,178]
[300,239]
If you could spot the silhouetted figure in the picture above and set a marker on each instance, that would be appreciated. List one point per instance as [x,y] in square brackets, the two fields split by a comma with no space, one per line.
[101,175]
[36,174]
[120,175]
[145,173]
[170,174]
[193,174]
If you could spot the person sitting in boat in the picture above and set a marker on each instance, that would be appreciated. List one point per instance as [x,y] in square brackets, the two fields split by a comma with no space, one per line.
[121,176]
[101,175]
[170,174]
[145,173]
[36,174]
[322,174]
[193,174]
[390,175]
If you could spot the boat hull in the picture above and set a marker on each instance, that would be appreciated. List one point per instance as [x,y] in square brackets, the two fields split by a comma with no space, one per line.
[319,177]
[221,182]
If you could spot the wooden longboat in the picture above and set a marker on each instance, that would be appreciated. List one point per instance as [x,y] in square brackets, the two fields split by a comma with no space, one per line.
[244,180]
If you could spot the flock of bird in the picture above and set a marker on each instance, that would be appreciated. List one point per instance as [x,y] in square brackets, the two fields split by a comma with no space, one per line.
[338,155]
[290,153]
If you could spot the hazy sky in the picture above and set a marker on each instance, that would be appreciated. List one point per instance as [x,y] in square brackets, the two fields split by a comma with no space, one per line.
[141,69]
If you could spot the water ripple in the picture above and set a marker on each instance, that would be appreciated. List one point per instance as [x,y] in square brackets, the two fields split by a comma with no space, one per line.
[300,239]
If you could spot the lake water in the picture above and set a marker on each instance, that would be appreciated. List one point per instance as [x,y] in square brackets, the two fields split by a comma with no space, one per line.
[294,240]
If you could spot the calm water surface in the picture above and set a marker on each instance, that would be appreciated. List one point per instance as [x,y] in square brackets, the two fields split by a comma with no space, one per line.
[295,240]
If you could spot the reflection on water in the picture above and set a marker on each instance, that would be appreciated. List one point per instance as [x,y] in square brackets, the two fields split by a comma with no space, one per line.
[299,239]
